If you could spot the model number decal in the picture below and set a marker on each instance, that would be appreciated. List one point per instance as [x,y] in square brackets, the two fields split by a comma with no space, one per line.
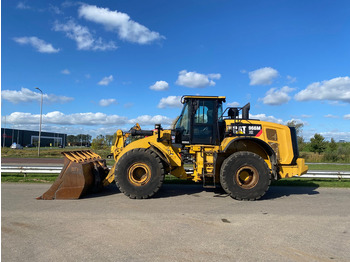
[246,129]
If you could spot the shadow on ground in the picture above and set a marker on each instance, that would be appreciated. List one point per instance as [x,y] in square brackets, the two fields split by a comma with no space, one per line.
[284,191]
[111,189]
[173,190]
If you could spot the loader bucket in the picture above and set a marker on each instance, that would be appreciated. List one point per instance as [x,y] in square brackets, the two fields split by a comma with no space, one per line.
[82,173]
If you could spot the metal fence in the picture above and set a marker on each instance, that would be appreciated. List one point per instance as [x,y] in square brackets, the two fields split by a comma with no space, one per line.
[31,169]
[57,170]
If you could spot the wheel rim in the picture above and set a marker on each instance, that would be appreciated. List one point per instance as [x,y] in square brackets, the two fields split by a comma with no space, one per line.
[247,177]
[139,174]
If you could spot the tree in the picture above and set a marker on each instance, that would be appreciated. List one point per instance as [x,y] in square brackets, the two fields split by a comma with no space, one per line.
[71,139]
[318,144]
[332,145]
[79,140]
[109,139]
[99,142]
[298,126]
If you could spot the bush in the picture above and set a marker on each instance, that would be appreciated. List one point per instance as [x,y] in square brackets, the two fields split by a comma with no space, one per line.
[330,157]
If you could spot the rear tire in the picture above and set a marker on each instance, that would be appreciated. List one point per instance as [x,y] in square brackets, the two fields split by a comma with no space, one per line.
[139,173]
[245,176]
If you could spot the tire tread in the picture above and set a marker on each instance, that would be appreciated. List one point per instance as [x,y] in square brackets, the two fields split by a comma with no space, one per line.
[234,157]
[159,165]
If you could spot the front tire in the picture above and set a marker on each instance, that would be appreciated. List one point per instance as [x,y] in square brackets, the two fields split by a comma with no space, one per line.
[245,176]
[139,173]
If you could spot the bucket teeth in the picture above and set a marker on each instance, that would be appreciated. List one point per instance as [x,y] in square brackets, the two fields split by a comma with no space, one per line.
[81,156]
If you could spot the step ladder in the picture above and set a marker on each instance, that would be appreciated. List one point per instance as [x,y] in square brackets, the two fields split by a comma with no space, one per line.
[208,181]
[208,171]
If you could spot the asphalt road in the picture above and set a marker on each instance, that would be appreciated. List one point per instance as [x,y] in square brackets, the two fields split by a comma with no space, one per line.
[182,223]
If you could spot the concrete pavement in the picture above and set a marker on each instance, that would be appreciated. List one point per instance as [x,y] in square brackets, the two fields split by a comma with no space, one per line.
[182,223]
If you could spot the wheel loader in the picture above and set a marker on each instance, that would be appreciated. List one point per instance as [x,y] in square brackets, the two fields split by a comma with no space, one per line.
[221,147]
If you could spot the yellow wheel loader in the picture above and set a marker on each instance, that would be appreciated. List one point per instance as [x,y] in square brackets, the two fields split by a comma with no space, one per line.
[223,147]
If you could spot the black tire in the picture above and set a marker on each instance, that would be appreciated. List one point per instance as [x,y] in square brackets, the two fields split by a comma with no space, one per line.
[245,176]
[139,173]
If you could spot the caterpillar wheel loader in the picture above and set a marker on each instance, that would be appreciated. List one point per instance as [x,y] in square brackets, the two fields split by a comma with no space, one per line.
[223,147]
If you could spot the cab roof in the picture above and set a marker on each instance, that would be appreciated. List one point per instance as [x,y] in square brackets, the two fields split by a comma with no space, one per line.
[220,98]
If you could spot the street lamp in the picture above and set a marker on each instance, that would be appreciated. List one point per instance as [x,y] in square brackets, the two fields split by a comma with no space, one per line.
[41,117]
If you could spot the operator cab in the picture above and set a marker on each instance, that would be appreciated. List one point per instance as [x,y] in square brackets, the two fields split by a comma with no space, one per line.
[200,120]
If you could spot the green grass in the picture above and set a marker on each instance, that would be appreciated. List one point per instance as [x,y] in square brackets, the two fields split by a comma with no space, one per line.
[28,178]
[330,167]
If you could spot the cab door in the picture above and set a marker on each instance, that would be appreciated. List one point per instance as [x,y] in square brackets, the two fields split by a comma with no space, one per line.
[204,122]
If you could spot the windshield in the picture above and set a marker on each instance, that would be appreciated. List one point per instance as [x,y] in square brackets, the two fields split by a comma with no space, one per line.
[220,112]
[183,122]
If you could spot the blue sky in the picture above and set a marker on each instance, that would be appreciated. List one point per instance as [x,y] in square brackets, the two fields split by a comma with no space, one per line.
[105,65]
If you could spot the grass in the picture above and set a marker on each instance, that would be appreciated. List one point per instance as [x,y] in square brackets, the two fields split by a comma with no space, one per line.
[325,157]
[28,178]
[329,167]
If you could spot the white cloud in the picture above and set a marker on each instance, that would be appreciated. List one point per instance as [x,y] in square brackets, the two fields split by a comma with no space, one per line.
[170,101]
[306,116]
[263,76]
[126,28]
[233,104]
[107,102]
[277,96]
[296,121]
[65,72]
[148,120]
[27,95]
[264,117]
[347,116]
[195,80]
[214,76]
[40,45]
[83,38]
[336,89]
[59,118]
[97,123]
[22,5]
[55,9]
[331,116]
[106,81]
[128,105]
[160,86]
[291,79]
[336,135]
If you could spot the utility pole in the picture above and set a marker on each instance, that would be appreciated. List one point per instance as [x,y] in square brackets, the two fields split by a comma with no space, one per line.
[41,116]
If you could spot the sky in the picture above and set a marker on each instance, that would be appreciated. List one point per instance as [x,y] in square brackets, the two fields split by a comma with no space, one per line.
[106,65]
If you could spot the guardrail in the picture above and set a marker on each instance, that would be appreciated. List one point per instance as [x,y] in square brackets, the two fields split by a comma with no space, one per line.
[31,169]
[57,170]
[327,174]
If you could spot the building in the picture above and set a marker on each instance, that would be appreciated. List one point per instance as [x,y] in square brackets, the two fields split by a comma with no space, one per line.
[27,137]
